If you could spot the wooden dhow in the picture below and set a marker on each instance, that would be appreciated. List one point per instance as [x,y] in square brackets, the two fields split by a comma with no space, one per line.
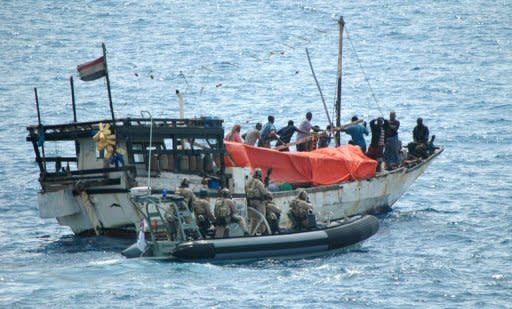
[85,184]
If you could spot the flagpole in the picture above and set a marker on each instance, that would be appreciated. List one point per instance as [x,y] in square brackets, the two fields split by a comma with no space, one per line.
[40,128]
[73,97]
[73,104]
[341,23]
[108,86]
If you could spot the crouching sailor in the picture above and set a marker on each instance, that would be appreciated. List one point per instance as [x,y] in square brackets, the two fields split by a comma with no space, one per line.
[273,214]
[301,213]
[225,213]
[203,213]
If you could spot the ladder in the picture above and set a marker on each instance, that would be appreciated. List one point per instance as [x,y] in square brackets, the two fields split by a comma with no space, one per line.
[186,223]
[169,215]
[157,222]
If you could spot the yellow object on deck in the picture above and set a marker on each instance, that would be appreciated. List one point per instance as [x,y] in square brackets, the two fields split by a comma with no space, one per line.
[105,140]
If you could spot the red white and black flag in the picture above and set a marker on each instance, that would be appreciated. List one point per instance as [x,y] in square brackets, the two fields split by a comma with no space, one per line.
[93,69]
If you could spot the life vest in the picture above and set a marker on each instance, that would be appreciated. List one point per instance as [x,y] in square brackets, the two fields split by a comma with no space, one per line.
[299,208]
[251,190]
[222,209]
[199,207]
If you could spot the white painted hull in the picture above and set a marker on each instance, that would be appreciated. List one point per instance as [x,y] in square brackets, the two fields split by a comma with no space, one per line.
[114,211]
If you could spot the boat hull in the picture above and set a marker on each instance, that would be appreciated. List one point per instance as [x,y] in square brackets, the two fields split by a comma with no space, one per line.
[113,214]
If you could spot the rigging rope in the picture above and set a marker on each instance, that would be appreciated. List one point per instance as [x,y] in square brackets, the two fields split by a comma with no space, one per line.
[364,72]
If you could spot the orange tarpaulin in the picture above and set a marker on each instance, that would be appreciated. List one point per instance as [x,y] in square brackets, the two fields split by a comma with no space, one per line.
[320,167]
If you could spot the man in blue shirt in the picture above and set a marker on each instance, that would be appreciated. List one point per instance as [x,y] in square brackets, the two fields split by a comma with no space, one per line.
[357,133]
[268,133]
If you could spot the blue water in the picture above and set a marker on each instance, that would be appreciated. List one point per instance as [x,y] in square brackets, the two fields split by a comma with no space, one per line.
[446,244]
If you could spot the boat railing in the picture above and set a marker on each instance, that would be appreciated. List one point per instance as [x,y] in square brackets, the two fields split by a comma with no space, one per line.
[91,179]
[185,145]
[68,128]
[261,220]
[153,212]
[168,217]
[203,122]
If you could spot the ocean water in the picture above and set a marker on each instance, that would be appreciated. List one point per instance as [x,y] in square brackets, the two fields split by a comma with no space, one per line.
[447,243]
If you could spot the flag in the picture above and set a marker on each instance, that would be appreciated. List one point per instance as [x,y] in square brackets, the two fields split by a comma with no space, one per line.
[141,239]
[93,69]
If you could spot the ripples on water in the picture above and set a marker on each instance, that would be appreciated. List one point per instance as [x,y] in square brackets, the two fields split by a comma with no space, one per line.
[447,243]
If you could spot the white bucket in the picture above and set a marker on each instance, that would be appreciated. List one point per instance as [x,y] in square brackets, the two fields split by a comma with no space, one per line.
[139,191]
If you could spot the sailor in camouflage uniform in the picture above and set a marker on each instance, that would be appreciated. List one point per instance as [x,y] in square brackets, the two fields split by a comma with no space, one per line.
[301,212]
[225,213]
[188,196]
[257,197]
[202,212]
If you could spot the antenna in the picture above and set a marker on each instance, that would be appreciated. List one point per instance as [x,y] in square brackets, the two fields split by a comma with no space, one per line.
[150,146]
[182,104]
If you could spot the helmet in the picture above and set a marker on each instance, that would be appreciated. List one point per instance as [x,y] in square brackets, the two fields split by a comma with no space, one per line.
[225,192]
[203,193]
[257,172]
[302,195]
[185,182]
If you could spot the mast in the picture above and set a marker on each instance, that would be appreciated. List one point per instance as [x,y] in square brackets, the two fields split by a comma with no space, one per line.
[108,87]
[73,104]
[182,104]
[40,137]
[341,22]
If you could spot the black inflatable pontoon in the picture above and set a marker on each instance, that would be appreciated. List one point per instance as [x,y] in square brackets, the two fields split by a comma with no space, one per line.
[338,235]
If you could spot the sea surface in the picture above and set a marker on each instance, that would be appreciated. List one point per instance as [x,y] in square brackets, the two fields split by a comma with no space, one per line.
[447,243]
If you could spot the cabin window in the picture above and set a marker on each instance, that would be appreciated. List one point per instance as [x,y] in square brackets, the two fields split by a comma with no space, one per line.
[205,143]
[62,154]
[138,157]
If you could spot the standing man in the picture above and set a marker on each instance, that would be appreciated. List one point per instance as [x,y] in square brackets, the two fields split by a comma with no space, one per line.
[357,132]
[268,133]
[378,141]
[253,136]
[324,138]
[305,133]
[225,213]
[285,134]
[257,196]
[203,213]
[234,135]
[188,196]
[393,144]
